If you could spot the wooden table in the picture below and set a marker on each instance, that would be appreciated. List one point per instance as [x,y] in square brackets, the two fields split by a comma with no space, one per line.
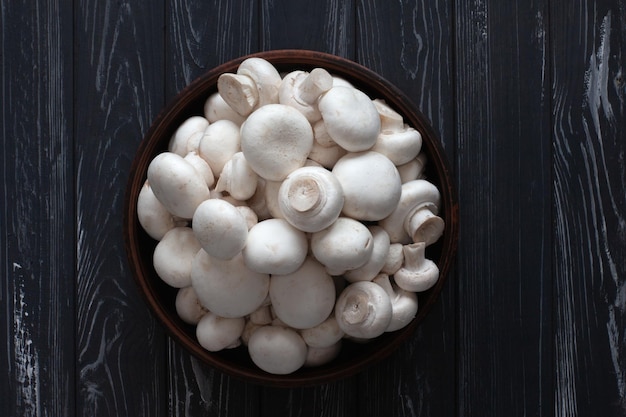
[528,98]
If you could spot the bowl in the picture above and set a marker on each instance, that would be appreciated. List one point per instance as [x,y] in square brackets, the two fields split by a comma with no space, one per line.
[354,357]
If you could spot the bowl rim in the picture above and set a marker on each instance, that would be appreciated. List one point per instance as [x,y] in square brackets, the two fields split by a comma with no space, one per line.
[197,91]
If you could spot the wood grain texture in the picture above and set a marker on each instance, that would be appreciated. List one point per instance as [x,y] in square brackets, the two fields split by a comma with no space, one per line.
[36,233]
[197,42]
[410,44]
[120,349]
[503,155]
[590,207]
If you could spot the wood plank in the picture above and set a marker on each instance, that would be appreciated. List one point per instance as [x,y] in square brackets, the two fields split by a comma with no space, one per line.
[120,353]
[503,155]
[36,232]
[325,26]
[409,44]
[588,44]
[195,44]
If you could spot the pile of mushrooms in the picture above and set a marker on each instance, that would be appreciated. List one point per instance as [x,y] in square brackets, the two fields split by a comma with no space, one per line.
[291,215]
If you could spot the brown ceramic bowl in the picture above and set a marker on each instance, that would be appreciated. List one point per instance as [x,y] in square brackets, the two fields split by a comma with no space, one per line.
[160,297]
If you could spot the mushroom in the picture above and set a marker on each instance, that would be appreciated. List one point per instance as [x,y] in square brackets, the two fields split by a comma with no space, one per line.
[215,333]
[415,217]
[326,156]
[153,217]
[276,139]
[317,356]
[227,287]
[249,215]
[273,246]
[258,202]
[187,135]
[221,140]
[188,306]
[404,303]
[220,228]
[265,76]
[173,256]
[324,334]
[272,189]
[414,169]
[363,310]
[202,166]
[237,178]
[215,108]
[177,184]
[397,141]
[277,350]
[262,315]
[371,185]
[372,267]
[304,298]
[344,245]
[394,260]
[350,117]
[310,198]
[418,273]
[301,90]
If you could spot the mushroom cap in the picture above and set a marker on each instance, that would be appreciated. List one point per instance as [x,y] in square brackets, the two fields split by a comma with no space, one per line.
[227,287]
[350,117]
[404,304]
[399,146]
[173,256]
[317,356]
[153,217]
[371,185]
[221,140]
[304,298]
[277,350]
[191,130]
[363,310]
[215,333]
[373,266]
[215,108]
[324,334]
[220,228]
[177,184]
[344,245]
[188,306]
[275,247]
[276,139]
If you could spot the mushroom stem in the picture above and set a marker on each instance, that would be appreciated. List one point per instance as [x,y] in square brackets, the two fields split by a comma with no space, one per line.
[418,273]
[239,92]
[424,226]
[304,194]
[314,85]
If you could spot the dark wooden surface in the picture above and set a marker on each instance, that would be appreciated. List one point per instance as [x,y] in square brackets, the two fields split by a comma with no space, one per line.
[528,98]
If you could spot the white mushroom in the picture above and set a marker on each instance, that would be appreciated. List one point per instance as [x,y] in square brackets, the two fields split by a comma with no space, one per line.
[324,334]
[153,217]
[301,90]
[215,333]
[363,310]
[274,246]
[397,141]
[262,315]
[418,273]
[220,228]
[188,306]
[310,198]
[350,117]
[215,108]
[344,245]
[221,140]
[258,202]
[227,287]
[371,185]
[202,166]
[276,139]
[272,189]
[404,303]
[237,178]
[373,266]
[414,169]
[304,298]
[266,78]
[249,215]
[394,260]
[277,350]
[177,184]
[326,156]
[187,136]
[173,256]
[317,356]
[415,217]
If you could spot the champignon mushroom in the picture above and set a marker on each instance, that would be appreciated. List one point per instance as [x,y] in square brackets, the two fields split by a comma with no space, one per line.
[274,246]
[215,333]
[221,140]
[344,245]
[414,169]
[310,198]
[304,298]
[317,356]
[153,217]
[350,117]
[301,90]
[363,310]
[237,178]
[371,185]
[187,135]
[418,273]
[215,108]
[227,287]
[202,166]
[277,350]
[372,267]
[397,140]
[220,228]
[177,184]
[276,139]
[415,217]
[394,260]
[404,303]
[173,256]
[324,334]
[188,306]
